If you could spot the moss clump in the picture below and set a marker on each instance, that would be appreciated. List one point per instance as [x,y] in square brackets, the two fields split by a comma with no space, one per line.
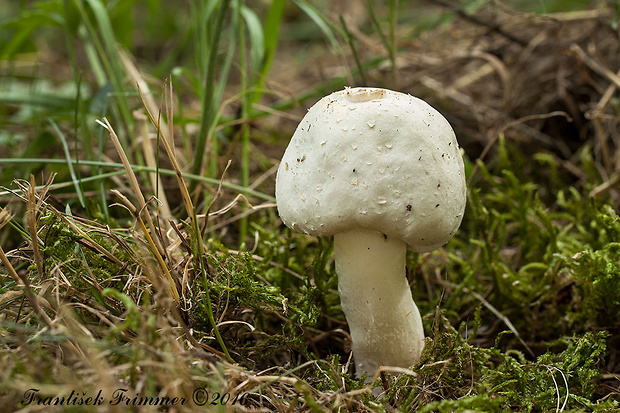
[68,253]
[456,375]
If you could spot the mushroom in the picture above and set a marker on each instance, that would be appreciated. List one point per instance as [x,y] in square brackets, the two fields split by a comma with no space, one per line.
[379,170]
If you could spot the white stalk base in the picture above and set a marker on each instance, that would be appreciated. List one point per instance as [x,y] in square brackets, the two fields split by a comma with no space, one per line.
[385,324]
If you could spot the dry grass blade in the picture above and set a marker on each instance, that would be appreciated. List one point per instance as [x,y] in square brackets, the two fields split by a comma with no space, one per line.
[169,148]
[149,157]
[168,99]
[603,134]
[200,264]
[163,269]
[136,78]
[595,65]
[40,202]
[5,217]
[493,63]
[215,197]
[502,317]
[605,186]
[133,180]
[507,126]
[9,267]
[33,206]
[253,209]
[492,26]
[23,280]
[86,240]
[150,233]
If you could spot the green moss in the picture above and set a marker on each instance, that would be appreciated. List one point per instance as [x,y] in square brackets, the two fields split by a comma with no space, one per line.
[67,251]
[455,375]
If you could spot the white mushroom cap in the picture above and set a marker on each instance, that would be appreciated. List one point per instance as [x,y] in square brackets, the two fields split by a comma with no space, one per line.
[373,159]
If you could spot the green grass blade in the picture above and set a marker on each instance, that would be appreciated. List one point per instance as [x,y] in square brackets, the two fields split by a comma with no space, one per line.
[202,11]
[137,168]
[46,100]
[271,34]
[222,83]
[65,147]
[320,21]
[375,21]
[104,54]
[23,26]
[255,31]
[393,19]
[351,43]
[246,69]
[208,102]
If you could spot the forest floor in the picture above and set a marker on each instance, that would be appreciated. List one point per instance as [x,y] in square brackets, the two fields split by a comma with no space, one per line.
[143,260]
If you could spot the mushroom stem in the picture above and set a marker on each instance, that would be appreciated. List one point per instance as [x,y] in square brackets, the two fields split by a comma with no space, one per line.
[385,324]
